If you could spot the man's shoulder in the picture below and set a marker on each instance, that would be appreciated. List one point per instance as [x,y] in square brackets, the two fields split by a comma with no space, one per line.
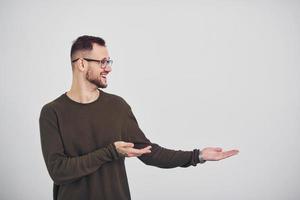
[116,98]
[50,106]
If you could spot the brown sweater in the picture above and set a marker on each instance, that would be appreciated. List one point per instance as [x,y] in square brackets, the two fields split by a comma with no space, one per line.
[77,142]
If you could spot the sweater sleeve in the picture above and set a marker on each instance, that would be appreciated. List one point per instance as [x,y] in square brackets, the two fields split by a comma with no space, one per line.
[64,169]
[160,157]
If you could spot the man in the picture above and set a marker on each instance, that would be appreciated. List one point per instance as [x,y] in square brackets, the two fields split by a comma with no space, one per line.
[86,134]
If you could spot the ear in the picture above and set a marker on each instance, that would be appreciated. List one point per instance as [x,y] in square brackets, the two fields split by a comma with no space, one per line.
[82,64]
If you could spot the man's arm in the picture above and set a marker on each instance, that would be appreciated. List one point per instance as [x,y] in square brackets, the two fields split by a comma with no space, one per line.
[159,156]
[62,168]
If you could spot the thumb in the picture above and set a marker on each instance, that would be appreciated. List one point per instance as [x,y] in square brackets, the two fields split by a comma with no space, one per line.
[128,144]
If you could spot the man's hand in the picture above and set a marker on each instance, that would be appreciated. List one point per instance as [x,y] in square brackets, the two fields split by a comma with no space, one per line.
[216,153]
[126,148]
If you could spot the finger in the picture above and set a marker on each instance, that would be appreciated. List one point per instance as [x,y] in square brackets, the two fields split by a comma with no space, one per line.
[227,154]
[132,155]
[146,149]
[235,151]
[136,155]
[138,151]
[128,144]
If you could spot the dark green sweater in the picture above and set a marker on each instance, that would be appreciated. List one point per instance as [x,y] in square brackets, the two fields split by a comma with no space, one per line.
[77,142]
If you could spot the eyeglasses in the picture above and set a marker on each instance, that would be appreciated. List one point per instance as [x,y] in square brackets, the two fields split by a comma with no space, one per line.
[103,63]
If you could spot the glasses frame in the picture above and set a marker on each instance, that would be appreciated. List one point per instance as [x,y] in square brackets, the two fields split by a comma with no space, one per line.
[108,62]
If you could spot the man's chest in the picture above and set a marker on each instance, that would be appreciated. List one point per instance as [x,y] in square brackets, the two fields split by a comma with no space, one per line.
[84,131]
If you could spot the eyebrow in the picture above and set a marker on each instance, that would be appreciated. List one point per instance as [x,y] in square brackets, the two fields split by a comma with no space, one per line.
[108,58]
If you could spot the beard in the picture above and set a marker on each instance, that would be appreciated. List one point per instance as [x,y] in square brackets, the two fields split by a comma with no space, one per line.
[96,81]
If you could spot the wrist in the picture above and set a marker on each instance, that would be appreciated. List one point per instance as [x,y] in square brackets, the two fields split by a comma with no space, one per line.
[201,160]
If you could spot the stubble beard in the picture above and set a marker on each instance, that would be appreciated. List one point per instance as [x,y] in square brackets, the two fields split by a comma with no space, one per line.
[96,81]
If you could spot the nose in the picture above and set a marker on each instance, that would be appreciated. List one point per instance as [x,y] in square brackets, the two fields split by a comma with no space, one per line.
[108,68]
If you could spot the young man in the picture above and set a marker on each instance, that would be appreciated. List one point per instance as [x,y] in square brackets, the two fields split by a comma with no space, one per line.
[86,134]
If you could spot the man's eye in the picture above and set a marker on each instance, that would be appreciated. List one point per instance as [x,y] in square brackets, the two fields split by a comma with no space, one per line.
[103,61]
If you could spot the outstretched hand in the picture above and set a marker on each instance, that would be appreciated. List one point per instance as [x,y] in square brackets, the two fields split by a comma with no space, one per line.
[126,149]
[216,153]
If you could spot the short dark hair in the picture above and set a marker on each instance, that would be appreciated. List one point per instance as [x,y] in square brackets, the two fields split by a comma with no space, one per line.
[85,42]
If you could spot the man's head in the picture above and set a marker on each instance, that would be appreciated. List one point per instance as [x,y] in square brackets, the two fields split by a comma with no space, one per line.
[90,60]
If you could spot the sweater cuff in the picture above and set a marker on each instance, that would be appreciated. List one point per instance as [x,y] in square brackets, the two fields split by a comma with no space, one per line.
[195,157]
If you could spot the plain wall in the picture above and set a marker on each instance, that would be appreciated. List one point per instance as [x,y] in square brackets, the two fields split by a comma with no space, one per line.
[206,73]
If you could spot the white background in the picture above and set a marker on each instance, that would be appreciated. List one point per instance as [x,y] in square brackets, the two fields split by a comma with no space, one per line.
[203,73]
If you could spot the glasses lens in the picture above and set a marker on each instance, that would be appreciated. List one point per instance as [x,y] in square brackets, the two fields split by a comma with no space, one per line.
[106,63]
[109,62]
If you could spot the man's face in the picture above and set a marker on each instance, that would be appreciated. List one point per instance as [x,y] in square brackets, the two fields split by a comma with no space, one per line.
[95,74]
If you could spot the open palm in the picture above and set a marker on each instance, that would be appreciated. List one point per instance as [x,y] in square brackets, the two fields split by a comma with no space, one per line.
[216,153]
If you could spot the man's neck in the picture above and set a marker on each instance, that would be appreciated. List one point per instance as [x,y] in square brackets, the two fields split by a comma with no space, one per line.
[82,94]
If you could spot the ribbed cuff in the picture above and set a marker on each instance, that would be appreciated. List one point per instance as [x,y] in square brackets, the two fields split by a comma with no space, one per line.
[195,157]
